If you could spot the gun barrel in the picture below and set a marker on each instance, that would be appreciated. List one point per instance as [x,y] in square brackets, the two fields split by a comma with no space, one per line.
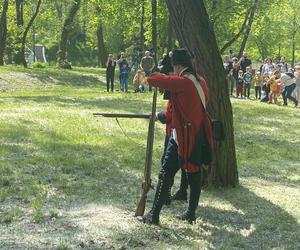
[143,116]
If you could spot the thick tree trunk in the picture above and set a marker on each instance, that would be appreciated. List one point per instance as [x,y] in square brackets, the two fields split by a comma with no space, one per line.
[67,27]
[26,32]
[142,28]
[170,42]
[154,29]
[3,30]
[194,31]
[248,29]
[102,52]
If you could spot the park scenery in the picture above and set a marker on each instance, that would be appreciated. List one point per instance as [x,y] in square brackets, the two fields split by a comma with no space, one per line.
[94,96]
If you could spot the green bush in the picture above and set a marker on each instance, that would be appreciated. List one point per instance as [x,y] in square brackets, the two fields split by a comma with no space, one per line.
[39,65]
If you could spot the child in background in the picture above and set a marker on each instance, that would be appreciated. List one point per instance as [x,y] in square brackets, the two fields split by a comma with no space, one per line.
[124,76]
[273,88]
[139,81]
[258,83]
[265,89]
[247,82]
[239,84]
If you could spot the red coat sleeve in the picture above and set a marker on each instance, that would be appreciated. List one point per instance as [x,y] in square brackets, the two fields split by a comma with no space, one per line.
[169,82]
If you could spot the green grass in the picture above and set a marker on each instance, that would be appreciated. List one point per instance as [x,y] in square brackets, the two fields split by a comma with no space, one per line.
[71,181]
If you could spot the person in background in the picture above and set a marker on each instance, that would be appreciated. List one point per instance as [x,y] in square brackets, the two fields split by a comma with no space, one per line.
[268,67]
[228,67]
[235,73]
[283,65]
[110,72]
[147,64]
[244,62]
[124,77]
[296,92]
[273,88]
[247,82]
[240,84]
[258,82]
[288,82]
[139,81]
[122,63]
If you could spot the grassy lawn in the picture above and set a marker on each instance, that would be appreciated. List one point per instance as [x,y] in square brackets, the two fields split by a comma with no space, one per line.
[72,181]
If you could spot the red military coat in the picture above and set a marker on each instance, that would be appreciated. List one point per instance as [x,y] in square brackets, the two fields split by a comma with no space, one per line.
[187,112]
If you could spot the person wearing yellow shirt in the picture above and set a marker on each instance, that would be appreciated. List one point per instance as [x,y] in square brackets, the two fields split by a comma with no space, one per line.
[258,80]
[273,89]
[139,81]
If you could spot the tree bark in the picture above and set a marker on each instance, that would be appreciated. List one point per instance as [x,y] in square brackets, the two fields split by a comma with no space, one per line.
[3,30]
[26,32]
[154,29]
[170,42]
[102,52]
[248,29]
[142,28]
[67,27]
[58,9]
[19,12]
[195,32]
[237,35]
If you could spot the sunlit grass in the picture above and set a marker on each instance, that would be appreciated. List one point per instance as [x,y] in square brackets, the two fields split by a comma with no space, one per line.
[70,180]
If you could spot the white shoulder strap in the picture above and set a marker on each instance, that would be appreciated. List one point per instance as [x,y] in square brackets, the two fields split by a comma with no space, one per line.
[198,87]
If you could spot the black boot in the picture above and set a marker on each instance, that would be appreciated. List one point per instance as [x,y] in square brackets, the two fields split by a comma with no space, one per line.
[181,194]
[152,217]
[195,181]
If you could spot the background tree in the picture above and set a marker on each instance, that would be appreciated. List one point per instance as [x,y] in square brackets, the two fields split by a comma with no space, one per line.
[67,27]
[194,31]
[3,30]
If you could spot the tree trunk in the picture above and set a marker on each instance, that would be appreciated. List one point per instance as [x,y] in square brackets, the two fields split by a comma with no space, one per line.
[19,12]
[237,35]
[142,28]
[154,29]
[102,52]
[248,29]
[3,30]
[58,9]
[26,32]
[67,27]
[170,42]
[293,52]
[195,32]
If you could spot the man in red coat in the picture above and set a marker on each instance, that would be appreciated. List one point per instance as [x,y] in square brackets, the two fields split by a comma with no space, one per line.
[189,123]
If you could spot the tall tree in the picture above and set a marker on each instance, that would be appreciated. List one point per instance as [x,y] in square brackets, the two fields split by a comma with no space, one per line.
[102,52]
[67,27]
[26,32]
[20,12]
[142,25]
[3,30]
[195,32]
[154,28]
[248,29]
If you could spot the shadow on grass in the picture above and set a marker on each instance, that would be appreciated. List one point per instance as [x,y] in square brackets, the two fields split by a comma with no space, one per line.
[256,224]
[130,104]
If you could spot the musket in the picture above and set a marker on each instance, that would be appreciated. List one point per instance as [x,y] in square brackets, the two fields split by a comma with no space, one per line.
[146,185]
[118,115]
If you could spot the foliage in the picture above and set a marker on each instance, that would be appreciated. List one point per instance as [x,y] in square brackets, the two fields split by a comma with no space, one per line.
[69,180]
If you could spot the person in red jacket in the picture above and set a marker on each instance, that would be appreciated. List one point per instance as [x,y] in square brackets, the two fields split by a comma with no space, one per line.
[189,131]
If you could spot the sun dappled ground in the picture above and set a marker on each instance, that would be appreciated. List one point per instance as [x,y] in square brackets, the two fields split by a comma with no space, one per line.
[71,181]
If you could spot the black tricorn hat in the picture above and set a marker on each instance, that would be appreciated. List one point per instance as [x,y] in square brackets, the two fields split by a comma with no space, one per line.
[181,57]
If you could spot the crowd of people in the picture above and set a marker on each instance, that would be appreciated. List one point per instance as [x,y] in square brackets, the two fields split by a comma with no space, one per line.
[270,80]
[143,69]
